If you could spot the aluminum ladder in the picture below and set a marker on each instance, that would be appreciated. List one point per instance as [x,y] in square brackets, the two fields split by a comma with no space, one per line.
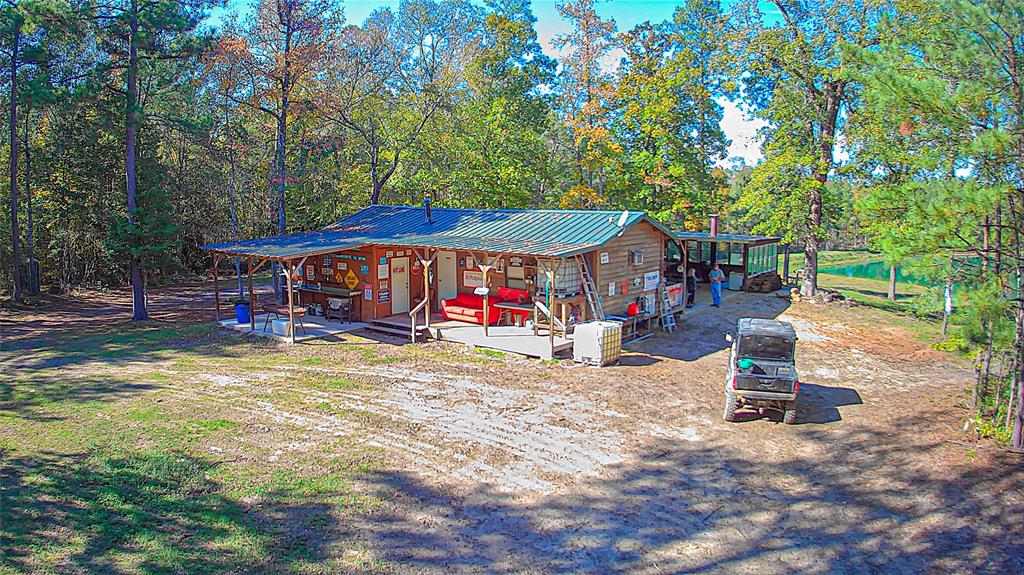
[590,288]
[668,319]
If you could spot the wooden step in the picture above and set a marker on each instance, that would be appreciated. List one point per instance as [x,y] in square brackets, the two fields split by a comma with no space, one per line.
[398,332]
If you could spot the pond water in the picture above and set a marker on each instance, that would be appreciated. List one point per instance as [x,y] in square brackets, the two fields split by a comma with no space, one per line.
[874,270]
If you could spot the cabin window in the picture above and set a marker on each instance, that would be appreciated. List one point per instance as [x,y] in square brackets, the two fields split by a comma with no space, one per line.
[722,254]
[736,254]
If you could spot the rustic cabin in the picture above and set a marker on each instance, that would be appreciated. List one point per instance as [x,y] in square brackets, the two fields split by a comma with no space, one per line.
[516,280]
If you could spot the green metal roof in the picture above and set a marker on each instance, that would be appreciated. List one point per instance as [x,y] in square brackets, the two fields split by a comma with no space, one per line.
[737,238]
[548,233]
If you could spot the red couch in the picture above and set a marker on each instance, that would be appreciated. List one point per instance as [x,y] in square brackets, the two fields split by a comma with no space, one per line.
[469,307]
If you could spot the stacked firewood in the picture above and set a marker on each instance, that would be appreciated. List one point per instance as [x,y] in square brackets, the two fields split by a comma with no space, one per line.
[764,283]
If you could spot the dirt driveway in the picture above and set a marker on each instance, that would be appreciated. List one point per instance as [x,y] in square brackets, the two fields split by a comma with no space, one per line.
[493,465]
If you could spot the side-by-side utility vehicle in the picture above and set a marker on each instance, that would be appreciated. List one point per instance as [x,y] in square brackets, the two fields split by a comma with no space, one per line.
[762,368]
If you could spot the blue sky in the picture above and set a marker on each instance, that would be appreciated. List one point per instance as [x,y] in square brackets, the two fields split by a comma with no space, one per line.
[740,129]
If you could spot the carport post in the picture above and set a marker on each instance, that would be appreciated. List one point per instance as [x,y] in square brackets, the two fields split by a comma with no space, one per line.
[291,310]
[216,288]
[252,300]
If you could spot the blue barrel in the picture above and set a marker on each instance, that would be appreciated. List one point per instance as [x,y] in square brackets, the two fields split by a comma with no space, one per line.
[242,312]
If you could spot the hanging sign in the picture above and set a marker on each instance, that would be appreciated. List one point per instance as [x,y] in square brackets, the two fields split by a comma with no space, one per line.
[351,280]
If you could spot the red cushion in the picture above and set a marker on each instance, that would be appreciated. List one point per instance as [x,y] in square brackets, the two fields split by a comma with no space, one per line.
[513,295]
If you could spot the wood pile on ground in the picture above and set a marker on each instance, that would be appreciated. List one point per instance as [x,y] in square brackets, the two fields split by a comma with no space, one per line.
[764,283]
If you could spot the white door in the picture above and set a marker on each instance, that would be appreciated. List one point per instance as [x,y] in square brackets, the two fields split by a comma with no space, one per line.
[399,285]
[447,275]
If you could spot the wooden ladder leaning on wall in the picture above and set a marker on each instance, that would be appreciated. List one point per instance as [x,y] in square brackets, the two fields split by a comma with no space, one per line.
[590,288]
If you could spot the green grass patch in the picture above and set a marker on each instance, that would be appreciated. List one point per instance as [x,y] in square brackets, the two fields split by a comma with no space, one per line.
[489,352]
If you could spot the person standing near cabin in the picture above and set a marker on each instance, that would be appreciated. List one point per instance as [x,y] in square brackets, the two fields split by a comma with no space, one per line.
[716,277]
[691,287]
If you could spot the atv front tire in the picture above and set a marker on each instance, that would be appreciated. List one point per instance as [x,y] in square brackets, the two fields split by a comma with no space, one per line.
[730,407]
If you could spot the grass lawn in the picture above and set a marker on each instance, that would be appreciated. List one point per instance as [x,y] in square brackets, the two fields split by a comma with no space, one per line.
[107,466]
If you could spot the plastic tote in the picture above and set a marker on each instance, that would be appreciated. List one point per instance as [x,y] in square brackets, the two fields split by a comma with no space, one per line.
[242,311]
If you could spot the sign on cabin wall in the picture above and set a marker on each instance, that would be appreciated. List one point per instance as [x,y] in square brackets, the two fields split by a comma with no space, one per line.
[651,281]
[342,266]
[515,261]
[351,280]
[383,296]
[327,261]
[382,272]
[365,270]
[368,292]
[611,289]
[472,279]
[604,257]
[310,272]
[383,285]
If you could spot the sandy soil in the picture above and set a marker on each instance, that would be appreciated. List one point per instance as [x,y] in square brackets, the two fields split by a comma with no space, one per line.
[507,465]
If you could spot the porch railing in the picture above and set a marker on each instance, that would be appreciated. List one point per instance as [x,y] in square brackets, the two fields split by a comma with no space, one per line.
[552,321]
[412,315]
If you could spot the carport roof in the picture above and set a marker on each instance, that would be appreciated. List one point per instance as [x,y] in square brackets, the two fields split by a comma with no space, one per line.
[548,233]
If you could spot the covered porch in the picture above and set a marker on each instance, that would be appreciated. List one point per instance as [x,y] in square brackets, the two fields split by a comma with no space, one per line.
[309,329]
[507,338]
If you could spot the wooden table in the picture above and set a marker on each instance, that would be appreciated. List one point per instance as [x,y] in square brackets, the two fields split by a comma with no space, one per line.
[282,310]
[509,307]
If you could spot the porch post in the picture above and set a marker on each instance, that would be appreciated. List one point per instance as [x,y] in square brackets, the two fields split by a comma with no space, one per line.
[550,272]
[216,287]
[252,300]
[291,310]
[487,284]
[785,264]
[426,283]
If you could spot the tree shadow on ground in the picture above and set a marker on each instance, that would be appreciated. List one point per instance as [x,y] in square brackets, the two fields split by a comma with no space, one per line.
[143,512]
[865,506]
[33,398]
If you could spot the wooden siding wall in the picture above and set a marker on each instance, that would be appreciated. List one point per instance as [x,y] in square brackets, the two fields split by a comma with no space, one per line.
[641,237]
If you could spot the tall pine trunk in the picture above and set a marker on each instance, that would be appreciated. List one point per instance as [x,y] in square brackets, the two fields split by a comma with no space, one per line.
[15,233]
[233,205]
[139,312]
[33,270]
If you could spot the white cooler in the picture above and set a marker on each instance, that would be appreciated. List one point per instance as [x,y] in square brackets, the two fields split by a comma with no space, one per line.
[279,327]
[597,342]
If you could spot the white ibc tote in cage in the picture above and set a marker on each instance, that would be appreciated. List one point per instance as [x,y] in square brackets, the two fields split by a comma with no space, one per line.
[597,342]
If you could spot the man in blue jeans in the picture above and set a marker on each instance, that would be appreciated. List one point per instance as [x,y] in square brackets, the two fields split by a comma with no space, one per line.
[716,277]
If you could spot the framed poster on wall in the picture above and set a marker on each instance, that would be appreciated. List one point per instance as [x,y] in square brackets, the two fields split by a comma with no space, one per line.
[382,272]
[472,278]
